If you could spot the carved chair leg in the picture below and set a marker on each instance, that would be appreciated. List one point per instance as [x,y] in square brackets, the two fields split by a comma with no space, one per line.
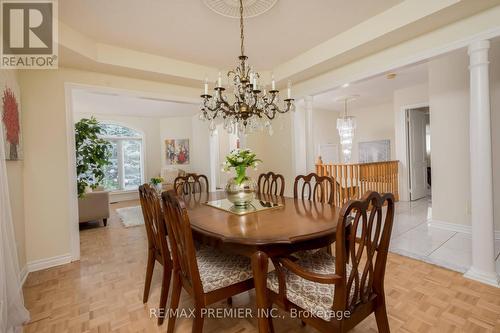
[174,301]
[149,275]
[105,222]
[230,301]
[165,286]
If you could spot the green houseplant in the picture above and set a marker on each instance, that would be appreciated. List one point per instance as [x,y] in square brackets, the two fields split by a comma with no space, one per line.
[241,189]
[92,154]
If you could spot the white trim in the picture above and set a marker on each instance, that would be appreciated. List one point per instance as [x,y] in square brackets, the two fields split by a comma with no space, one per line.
[23,274]
[402,149]
[37,265]
[466,229]
[491,279]
[74,230]
[332,83]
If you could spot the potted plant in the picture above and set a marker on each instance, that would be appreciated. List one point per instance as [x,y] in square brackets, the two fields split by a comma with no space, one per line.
[157,182]
[241,189]
[92,154]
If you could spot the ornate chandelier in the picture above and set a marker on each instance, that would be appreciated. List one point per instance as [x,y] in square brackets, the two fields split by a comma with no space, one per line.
[346,127]
[250,106]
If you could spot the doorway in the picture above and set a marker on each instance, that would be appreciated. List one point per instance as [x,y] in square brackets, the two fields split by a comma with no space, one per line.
[419,152]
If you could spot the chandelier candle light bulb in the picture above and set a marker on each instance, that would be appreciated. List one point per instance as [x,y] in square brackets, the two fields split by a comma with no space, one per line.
[247,105]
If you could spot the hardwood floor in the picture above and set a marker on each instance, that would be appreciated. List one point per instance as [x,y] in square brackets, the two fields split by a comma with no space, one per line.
[103,293]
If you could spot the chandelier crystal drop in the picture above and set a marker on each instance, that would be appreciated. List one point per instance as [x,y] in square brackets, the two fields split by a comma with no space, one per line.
[244,106]
[346,127]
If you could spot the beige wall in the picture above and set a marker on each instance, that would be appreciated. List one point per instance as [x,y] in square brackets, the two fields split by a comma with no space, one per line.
[16,194]
[449,110]
[325,130]
[197,132]
[372,123]
[16,181]
[46,180]
[275,151]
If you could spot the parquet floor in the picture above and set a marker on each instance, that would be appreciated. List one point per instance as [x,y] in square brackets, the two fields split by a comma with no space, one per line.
[103,293]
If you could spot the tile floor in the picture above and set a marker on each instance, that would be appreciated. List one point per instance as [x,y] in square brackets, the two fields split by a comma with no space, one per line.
[412,236]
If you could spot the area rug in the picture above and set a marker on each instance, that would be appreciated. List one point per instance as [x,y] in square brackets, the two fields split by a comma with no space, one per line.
[131,216]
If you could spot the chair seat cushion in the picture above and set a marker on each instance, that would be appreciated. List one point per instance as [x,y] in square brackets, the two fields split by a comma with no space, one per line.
[314,297]
[219,269]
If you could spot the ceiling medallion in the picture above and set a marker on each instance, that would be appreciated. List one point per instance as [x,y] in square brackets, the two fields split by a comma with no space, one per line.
[231,8]
[247,106]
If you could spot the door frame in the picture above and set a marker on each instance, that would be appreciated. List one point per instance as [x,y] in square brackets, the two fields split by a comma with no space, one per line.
[402,153]
[408,144]
[69,87]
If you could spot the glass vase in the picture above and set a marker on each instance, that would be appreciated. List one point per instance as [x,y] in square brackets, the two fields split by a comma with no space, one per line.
[241,189]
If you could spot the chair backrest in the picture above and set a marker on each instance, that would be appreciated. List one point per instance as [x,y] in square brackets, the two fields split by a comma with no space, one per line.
[181,241]
[153,220]
[271,183]
[314,187]
[367,226]
[191,183]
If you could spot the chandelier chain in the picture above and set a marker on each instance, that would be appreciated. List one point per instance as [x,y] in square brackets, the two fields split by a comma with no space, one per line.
[242,35]
[248,105]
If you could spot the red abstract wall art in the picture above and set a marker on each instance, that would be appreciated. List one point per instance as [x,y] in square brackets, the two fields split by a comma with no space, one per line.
[10,118]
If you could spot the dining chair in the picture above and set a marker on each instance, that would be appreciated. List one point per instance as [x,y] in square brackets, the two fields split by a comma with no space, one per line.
[207,274]
[314,187]
[191,183]
[158,249]
[328,292]
[271,183]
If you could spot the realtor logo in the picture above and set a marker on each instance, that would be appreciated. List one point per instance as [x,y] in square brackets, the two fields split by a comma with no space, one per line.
[29,34]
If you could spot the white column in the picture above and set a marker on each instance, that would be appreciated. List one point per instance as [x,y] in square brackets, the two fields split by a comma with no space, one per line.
[481,173]
[310,158]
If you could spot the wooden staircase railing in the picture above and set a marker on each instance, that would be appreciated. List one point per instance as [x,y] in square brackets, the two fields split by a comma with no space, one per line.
[353,180]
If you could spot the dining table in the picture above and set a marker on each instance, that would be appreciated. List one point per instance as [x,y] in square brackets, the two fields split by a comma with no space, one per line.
[279,228]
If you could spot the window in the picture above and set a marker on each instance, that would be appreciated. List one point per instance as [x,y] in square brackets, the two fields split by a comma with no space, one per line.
[125,171]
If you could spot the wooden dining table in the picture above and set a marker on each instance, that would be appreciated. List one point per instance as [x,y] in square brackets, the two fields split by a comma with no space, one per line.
[296,225]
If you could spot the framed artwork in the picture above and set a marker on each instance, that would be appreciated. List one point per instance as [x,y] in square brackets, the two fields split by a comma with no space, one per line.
[11,116]
[374,151]
[177,151]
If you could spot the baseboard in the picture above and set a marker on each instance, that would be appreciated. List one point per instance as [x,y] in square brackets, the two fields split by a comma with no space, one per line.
[123,196]
[23,274]
[466,229]
[491,279]
[40,264]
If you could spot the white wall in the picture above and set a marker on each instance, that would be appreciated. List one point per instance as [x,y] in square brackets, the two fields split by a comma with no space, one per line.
[495,126]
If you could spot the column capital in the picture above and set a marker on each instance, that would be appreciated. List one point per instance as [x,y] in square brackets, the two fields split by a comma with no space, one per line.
[478,53]
[479,45]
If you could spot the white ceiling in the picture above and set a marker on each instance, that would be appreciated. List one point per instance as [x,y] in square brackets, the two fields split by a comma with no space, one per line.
[373,91]
[104,103]
[187,30]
